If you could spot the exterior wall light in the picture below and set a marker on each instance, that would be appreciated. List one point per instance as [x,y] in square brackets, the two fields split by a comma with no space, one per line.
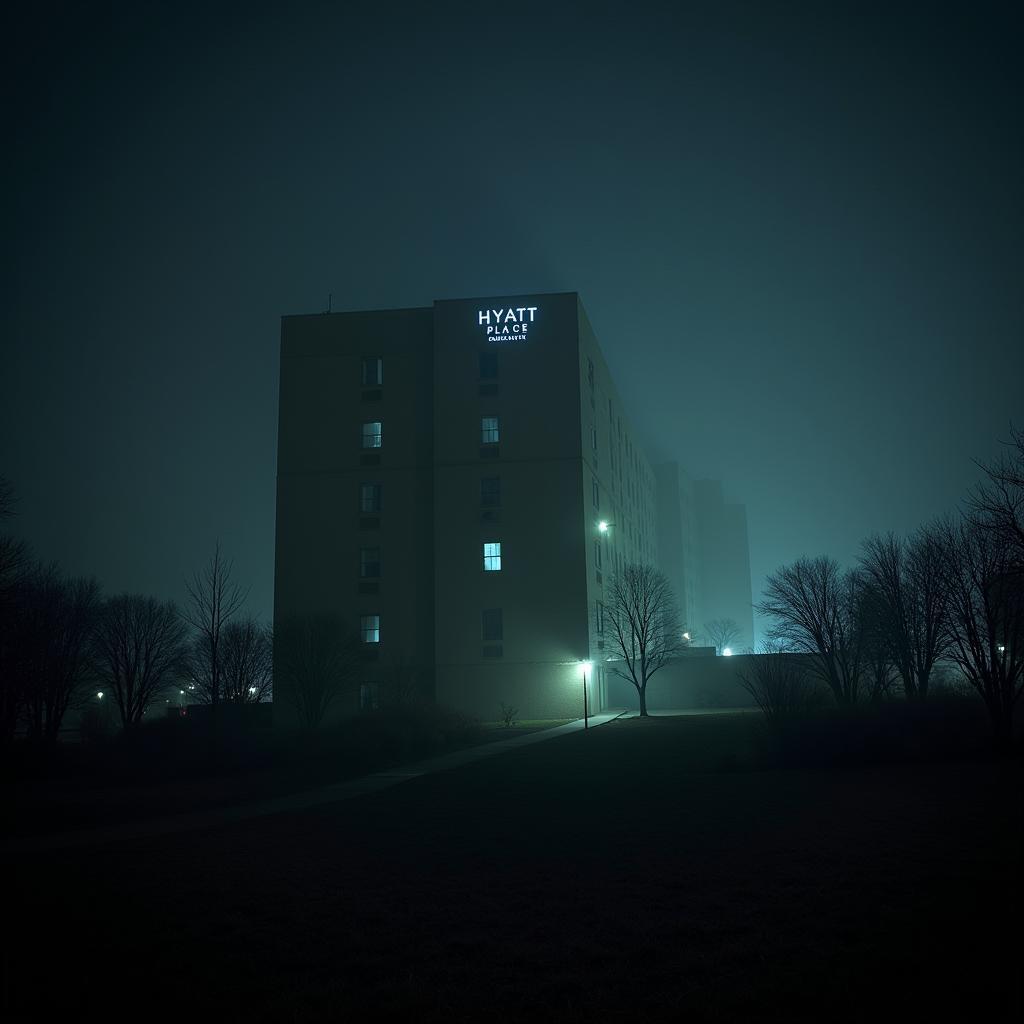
[726,652]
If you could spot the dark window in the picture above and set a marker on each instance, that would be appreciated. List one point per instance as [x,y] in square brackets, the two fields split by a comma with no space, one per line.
[597,553]
[369,498]
[590,371]
[600,617]
[597,495]
[490,491]
[367,696]
[492,626]
[373,371]
[369,563]
[488,365]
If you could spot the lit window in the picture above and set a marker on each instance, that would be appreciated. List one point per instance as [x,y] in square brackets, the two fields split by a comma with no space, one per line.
[491,625]
[369,563]
[488,365]
[371,435]
[489,430]
[369,628]
[490,491]
[369,498]
[492,556]
[373,372]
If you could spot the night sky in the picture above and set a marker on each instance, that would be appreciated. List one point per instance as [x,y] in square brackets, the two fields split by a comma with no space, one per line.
[796,229]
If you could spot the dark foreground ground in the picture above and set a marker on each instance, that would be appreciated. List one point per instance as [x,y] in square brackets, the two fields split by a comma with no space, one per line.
[642,871]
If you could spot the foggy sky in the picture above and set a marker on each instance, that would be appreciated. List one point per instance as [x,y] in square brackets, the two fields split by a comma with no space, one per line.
[796,230]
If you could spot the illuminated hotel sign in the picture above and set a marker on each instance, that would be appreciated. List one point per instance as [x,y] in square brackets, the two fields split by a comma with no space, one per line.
[507,324]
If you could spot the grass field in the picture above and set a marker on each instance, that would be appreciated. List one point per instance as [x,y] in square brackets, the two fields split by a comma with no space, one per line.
[646,870]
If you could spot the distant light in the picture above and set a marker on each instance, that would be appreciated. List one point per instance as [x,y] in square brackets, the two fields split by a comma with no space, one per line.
[1001,648]
[726,652]
[183,693]
[686,636]
[603,526]
[252,689]
[100,695]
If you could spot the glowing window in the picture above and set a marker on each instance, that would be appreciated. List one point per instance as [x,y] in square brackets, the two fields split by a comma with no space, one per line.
[372,435]
[492,556]
[489,430]
[369,629]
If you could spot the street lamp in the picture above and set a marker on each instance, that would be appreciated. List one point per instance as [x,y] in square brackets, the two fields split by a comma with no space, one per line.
[603,526]
[585,667]
[726,652]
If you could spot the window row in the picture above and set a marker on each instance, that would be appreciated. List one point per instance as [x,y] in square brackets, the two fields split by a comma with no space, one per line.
[372,435]
[372,372]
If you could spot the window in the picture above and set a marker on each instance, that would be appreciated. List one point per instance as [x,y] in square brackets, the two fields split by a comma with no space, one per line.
[369,497]
[599,617]
[369,563]
[368,697]
[597,553]
[373,371]
[492,556]
[371,435]
[593,437]
[590,371]
[488,365]
[489,430]
[369,629]
[491,626]
[597,495]
[490,491]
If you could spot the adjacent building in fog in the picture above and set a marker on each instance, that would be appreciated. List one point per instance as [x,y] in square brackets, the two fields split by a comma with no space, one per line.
[442,474]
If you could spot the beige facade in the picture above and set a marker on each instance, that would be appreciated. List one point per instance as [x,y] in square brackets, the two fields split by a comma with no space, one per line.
[499,425]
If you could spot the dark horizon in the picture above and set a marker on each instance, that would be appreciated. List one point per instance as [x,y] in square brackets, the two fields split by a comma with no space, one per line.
[797,236]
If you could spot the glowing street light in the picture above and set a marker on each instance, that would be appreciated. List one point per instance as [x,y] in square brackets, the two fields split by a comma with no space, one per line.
[99,696]
[726,652]
[687,637]
[585,667]
[603,526]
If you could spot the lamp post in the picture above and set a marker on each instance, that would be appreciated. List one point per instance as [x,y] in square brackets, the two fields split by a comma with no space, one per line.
[585,667]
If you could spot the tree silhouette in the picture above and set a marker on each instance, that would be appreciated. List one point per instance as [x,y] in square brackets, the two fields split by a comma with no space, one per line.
[213,601]
[316,661]
[247,664]
[138,651]
[815,608]
[721,633]
[643,623]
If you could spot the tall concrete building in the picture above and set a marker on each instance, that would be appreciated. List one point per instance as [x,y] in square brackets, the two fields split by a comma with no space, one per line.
[721,529]
[442,476]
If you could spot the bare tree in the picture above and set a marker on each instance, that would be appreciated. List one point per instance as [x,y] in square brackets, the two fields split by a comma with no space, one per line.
[316,661]
[213,600]
[998,503]
[643,624]
[138,651]
[986,618]
[247,664]
[55,625]
[815,608]
[777,681]
[722,633]
[877,661]
[908,584]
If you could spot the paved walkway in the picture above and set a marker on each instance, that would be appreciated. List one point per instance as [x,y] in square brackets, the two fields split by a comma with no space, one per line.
[334,793]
